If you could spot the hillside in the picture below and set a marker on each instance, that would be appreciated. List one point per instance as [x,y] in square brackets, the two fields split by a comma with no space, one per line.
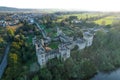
[11,9]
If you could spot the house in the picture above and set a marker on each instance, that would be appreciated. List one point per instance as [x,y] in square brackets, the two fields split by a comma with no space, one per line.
[3,23]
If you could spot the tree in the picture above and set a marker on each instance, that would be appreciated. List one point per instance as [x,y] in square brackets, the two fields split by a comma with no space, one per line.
[36,77]
[15,45]
[73,17]
[2,42]
[87,68]
[10,33]
[56,67]
[13,70]
[70,68]
[45,74]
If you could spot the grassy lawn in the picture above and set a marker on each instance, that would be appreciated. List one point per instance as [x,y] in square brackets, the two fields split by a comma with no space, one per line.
[106,21]
[53,45]
[68,32]
[29,40]
[53,35]
[42,26]
[48,30]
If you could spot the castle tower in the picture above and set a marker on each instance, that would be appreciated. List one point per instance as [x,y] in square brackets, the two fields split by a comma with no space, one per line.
[59,32]
[64,51]
[40,52]
[88,37]
[81,43]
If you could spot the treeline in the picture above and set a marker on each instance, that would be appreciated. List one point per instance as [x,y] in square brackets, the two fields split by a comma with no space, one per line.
[97,17]
[21,55]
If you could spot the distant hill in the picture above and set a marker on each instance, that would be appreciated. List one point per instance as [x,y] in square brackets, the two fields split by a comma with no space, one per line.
[8,9]
[11,9]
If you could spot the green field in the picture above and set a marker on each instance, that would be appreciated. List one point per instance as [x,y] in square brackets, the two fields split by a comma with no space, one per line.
[80,16]
[103,21]
[54,45]
[107,20]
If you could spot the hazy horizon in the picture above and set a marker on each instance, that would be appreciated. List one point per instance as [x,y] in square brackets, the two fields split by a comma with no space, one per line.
[85,5]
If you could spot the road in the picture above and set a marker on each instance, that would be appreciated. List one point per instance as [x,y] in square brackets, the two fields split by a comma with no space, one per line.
[3,63]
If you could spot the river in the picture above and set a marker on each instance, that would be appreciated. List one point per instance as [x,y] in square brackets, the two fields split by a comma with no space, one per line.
[114,75]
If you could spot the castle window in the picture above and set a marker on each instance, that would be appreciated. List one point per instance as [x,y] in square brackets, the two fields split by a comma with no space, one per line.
[38,45]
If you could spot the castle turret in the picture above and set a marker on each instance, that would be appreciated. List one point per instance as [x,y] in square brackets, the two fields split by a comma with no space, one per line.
[64,51]
[81,43]
[40,52]
[88,37]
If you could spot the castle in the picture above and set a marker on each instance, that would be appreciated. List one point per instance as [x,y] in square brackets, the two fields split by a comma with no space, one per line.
[63,51]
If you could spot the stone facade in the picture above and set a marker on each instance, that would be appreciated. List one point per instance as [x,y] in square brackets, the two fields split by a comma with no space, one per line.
[43,55]
[64,51]
[64,48]
[81,43]
[88,37]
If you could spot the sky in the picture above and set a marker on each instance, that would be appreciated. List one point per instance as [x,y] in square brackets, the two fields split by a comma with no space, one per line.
[90,5]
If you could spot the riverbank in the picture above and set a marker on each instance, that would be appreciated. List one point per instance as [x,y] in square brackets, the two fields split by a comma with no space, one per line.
[112,75]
